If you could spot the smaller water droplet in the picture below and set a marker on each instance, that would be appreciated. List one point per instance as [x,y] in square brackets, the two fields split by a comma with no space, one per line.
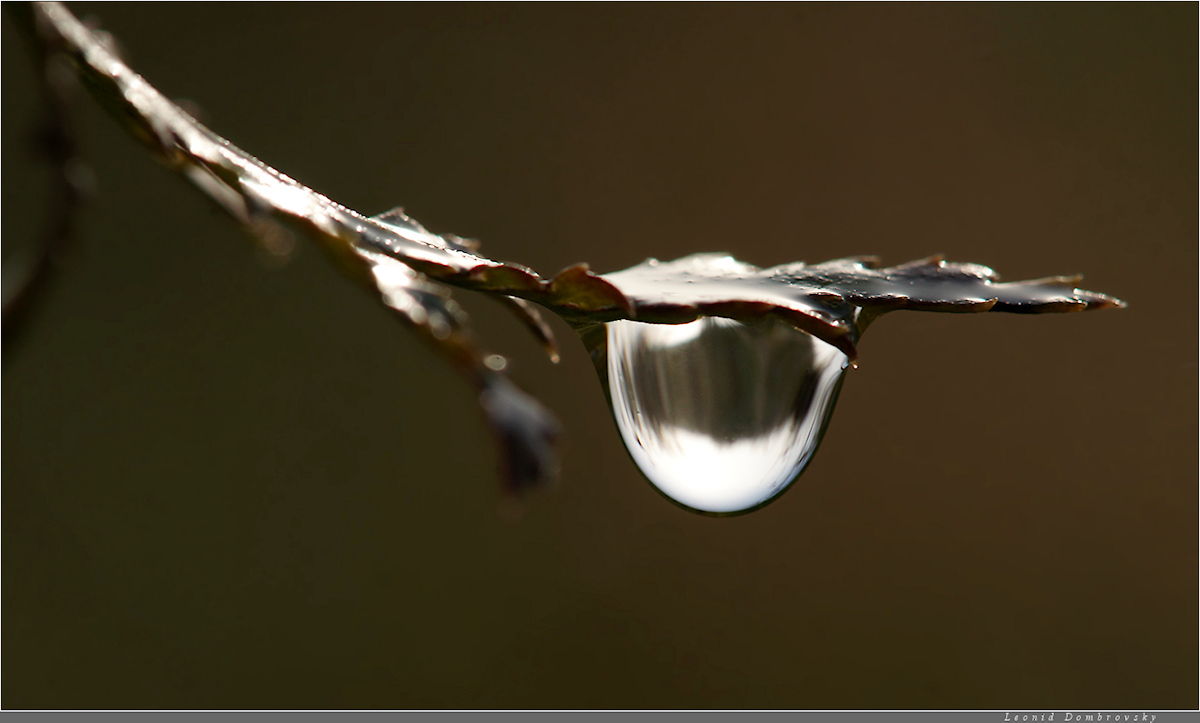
[720,415]
[495,362]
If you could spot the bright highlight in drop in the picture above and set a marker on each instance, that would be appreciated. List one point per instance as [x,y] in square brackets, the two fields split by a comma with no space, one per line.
[720,415]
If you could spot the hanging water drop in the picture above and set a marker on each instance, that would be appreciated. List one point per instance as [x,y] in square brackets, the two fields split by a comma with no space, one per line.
[720,415]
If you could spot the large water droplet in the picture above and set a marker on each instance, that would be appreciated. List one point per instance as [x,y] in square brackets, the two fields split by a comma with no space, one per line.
[720,415]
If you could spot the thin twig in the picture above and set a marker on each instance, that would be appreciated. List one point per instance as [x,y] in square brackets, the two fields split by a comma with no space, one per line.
[397,257]
[391,254]
[27,276]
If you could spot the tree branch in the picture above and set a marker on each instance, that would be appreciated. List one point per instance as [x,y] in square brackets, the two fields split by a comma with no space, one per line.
[391,254]
[399,259]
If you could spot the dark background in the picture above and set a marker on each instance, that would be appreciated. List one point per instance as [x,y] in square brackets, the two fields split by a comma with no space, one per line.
[227,484]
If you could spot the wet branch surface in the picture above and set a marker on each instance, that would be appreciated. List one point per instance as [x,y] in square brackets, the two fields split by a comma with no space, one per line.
[410,268]
[390,254]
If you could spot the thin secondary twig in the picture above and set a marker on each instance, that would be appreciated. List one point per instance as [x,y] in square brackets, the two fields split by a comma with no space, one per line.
[28,274]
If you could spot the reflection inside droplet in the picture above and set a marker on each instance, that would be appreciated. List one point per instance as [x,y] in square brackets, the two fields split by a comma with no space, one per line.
[720,415]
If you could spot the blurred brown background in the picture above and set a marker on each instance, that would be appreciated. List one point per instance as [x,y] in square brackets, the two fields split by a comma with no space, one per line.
[237,486]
